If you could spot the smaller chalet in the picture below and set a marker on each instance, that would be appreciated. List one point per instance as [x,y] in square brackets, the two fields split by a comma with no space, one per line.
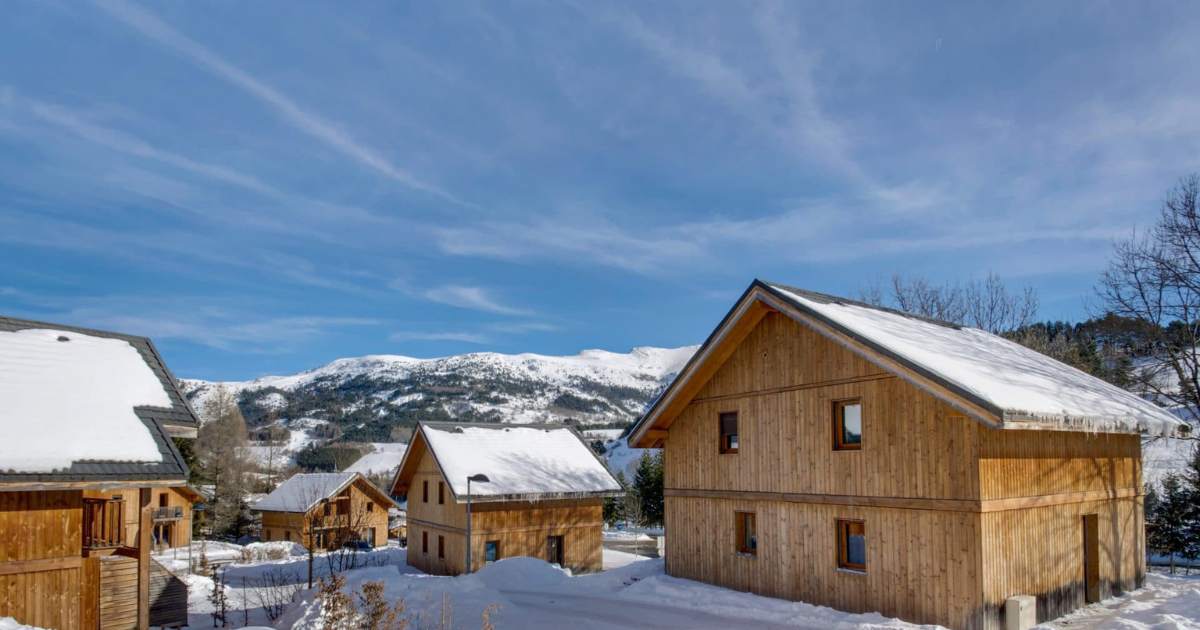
[543,497]
[329,509]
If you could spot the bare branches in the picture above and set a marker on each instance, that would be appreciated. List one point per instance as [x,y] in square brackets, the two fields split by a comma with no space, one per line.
[986,304]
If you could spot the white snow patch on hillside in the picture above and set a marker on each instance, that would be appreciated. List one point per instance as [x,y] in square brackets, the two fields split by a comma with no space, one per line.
[623,458]
[66,401]
[274,401]
[383,459]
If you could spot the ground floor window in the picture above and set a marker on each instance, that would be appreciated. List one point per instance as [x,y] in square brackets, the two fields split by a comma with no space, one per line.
[287,535]
[424,542]
[554,550]
[852,545]
[491,551]
[746,533]
[441,546]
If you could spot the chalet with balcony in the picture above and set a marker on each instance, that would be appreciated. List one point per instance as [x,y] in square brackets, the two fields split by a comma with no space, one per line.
[535,490]
[865,459]
[326,510]
[88,419]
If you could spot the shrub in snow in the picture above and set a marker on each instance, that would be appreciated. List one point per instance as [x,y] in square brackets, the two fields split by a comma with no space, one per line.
[336,606]
[375,613]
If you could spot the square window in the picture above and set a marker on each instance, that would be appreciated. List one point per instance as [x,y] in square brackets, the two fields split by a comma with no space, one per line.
[728,422]
[441,492]
[747,535]
[491,551]
[852,545]
[847,425]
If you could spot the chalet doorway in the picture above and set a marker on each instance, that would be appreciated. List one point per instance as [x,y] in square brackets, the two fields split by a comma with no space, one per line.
[554,550]
[1091,558]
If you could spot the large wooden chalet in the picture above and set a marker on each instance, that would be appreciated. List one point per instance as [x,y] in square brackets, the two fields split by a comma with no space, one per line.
[87,419]
[852,456]
[543,496]
[326,510]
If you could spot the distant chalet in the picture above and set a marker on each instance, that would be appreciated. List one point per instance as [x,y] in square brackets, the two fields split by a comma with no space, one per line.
[543,498]
[857,457]
[326,510]
[87,419]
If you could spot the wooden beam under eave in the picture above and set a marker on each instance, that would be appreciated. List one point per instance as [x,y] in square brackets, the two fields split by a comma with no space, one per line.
[656,436]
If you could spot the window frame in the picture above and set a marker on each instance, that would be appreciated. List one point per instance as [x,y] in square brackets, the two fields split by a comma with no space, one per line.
[740,520]
[838,410]
[843,526]
[723,443]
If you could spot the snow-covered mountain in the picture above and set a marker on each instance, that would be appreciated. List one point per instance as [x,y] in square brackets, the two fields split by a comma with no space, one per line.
[364,399]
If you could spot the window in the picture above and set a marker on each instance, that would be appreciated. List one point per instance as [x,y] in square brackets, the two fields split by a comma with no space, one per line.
[162,500]
[729,432]
[491,551]
[847,425]
[441,492]
[441,546]
[370,507]
[424,542]
[747,535]
[287,535]
[852,545]
[555,550]
[425,491]
[327,509]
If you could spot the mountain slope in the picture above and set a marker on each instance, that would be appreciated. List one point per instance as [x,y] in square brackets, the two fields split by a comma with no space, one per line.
[366,399]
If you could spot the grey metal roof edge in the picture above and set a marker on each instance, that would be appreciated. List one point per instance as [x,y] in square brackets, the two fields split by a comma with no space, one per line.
[543,496]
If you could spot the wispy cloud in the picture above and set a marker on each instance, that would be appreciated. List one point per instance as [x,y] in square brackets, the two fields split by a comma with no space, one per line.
[287,108]
[469,297]
[462,337]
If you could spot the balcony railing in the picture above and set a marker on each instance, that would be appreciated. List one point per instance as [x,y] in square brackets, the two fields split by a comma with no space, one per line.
[169,513]
[103,523]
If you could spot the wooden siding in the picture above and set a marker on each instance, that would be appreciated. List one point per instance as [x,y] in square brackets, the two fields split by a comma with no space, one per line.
[41,566]
[278,525]
[959,516]
[521,527]
[118,592]
[168,597]
[913,445]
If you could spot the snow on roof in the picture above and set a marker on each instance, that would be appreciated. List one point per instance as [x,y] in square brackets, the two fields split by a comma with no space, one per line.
[73,400]
[301,492]
[1024,384]
[518,461]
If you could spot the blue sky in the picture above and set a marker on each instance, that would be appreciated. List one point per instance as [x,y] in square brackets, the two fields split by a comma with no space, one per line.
[263,187]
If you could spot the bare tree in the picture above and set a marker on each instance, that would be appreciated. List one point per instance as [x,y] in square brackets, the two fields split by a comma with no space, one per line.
[987,304]
[221,453]
[1154,278]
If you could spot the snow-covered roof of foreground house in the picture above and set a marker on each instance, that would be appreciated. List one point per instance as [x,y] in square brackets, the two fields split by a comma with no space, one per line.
[303,492]
[992,379]
[83,405]
[521,461]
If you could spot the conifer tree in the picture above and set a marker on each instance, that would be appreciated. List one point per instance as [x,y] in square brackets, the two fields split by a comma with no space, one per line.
[1171,519]
[648,485]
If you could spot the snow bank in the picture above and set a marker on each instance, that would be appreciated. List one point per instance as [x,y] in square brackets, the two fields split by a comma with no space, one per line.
[8,623]
[1024,383]
[517,460]
[274,550]
[66,401]
[1165,603]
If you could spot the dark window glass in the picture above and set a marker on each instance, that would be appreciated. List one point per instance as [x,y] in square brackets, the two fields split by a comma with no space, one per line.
[729,431]
[491,551]
[746,532]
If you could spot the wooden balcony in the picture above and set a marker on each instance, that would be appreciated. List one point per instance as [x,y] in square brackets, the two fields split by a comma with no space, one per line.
[103,523]
[169,513]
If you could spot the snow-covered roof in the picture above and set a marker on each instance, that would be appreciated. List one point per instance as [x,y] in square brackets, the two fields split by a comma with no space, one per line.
[525,461]
[67,397]
[1022,384]
[303,491]
[997,381]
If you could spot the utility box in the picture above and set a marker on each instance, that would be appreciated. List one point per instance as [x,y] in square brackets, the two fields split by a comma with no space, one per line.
[1020,612]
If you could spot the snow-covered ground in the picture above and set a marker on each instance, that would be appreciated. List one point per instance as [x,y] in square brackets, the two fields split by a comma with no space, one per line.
[382,460]
[1166,603]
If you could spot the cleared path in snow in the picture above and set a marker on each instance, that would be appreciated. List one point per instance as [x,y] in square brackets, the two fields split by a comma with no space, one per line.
[580,612]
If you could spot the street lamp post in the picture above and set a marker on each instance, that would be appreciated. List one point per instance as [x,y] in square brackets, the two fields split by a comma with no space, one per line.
[478,478]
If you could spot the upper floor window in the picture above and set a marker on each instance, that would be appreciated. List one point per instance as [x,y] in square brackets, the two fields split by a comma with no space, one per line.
[747,536]
[847,425]
[852,545]
[425,491]
[370,507]
[729,431]
[441,492]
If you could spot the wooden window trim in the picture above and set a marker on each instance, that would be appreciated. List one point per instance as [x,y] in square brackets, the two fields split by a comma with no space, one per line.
[843,545]
[838,406]
[723,443]
[739,532]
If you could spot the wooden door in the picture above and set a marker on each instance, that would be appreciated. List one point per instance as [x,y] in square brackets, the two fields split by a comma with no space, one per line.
[554,550]
[1091,558]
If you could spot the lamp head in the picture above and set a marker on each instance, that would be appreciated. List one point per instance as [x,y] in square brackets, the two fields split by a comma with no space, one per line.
[479,478]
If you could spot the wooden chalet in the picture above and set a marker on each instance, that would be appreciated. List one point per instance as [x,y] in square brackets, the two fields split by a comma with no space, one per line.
[543,497]
[851,456]
[171,514]
[87,419]
[328,509]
